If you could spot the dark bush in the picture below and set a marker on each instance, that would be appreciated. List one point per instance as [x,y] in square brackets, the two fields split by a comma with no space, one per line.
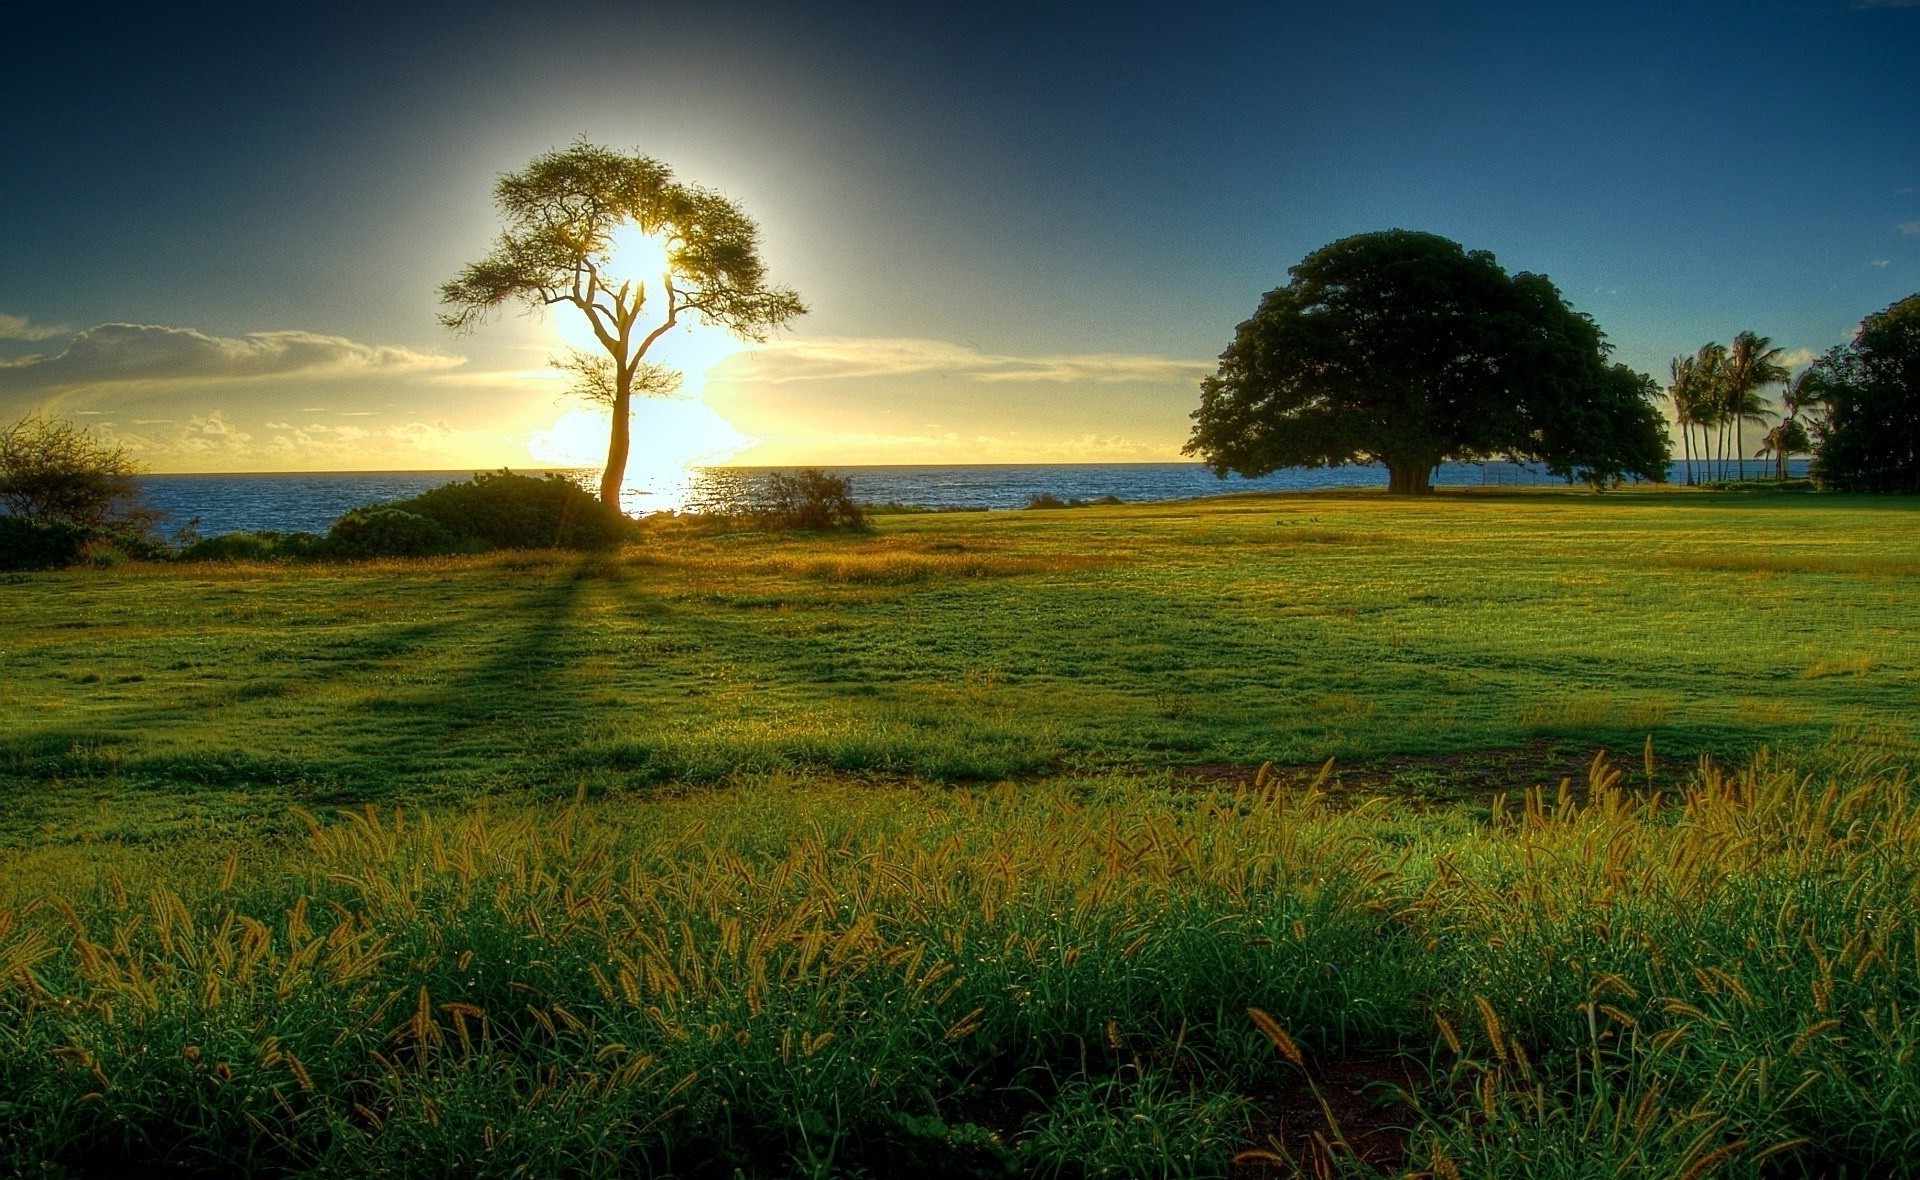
[261,546]
[388,532]
[30,545]
[808,499]
[501,510]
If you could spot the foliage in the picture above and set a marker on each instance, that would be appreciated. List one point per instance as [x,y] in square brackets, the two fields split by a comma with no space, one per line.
[1869,390]
[1049,500]
[53,472]
[30,545]
[501,510]
[808,499]
[1405,349]
[1088,976]
[265,545]
[498,510]
[564,213]
[961,647]
[387,532]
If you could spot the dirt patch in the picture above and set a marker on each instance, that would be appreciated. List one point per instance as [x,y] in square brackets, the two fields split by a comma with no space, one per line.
[1355,1105]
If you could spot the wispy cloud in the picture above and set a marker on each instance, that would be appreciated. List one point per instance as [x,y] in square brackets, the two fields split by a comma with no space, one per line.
[1794,358]
[1882,262]
[18,327]
[1910,227]
[851,358]
[122,354]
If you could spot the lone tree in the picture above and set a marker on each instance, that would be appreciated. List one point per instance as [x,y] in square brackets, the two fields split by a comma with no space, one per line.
[563,214]
[1407,350]
[1868,435]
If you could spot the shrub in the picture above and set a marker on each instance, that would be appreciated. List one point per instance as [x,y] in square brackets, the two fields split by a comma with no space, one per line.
[388,532]
[53,472]
[30,545]
[501,510]
[809,499]
[260,546]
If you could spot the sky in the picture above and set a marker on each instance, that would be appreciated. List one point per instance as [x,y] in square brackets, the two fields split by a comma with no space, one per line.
[1024,232]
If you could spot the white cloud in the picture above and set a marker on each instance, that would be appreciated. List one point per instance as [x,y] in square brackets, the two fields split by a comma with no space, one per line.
[123,354]
[1880,262]
[849,358]
[17,327]
[1794,358]
[1910,227]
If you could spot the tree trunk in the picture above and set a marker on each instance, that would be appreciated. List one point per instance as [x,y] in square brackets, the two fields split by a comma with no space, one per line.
[1686,448]
[1409,479]
[619,442]
[1740,447]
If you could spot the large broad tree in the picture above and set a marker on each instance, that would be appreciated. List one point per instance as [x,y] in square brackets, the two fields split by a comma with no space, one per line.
[565,214]
[1407,350]
[1868,434]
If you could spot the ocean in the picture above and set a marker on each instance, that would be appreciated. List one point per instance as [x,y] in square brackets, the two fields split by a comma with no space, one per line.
[312,501]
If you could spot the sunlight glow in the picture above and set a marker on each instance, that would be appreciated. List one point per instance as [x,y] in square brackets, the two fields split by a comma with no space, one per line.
[671,435]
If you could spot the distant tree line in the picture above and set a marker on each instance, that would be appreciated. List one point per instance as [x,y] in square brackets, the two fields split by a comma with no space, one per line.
[1856,410]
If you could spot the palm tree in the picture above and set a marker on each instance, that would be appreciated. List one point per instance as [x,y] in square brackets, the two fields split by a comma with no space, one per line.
[1786,438]
[1752,364]
[1790,437]
[1686,405]
[1709,375]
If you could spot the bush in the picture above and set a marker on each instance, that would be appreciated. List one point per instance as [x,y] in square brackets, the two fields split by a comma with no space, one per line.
[388,532]
[809,499]
[261,546]
[53,472]
[502,510]
[30,545]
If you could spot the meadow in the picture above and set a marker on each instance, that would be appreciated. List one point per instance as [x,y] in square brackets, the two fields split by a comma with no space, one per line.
[983,845]
[1421,639]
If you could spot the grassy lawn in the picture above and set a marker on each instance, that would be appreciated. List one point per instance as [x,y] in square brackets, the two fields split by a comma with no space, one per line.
[941,850]
[961,647]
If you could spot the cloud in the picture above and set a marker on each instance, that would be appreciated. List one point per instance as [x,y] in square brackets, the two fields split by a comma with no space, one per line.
[1799,356]
[1881,262]
[1910,227]
[122,354]
[16,327]
[851,358]
[214,442]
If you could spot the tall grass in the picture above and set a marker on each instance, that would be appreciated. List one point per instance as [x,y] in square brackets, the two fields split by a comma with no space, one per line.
[1055,980]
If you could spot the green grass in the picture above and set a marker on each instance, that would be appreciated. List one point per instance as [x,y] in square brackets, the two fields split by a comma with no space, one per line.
[1046,980]
[959,647]
[942,850]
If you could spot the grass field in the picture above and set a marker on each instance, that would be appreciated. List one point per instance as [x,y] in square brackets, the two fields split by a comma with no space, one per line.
[948,850]
[962,647]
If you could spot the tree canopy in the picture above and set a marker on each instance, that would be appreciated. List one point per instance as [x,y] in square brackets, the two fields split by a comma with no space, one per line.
[1408,350]
[1869,392]
[563,214]
[55,473]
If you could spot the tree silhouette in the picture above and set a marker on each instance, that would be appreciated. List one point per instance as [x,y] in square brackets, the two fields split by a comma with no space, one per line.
[1407,350]
[1752,364]
[562,214]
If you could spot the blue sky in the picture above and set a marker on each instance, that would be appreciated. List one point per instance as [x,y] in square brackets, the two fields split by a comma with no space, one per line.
[1024,230]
